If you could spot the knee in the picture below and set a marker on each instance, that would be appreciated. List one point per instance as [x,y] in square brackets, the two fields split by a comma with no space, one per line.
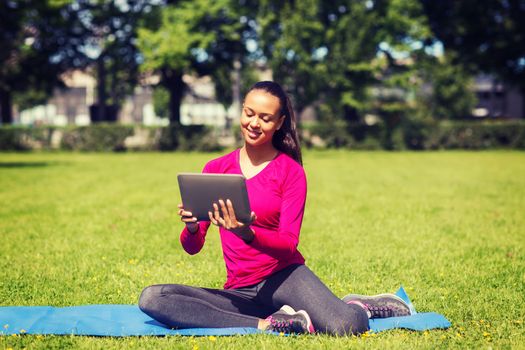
[147,298]
[359,322]
[351,321]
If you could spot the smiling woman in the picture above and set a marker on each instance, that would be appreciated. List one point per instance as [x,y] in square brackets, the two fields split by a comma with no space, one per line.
[267,279]
[260,117]
[268,115]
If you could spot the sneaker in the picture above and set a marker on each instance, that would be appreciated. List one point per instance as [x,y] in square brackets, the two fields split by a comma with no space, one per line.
[381,305]
[287,320]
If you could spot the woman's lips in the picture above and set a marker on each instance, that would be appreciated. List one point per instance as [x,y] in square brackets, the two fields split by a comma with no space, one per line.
[253,134]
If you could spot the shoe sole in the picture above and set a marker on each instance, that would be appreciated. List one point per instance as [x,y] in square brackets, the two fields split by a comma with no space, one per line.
[364,298]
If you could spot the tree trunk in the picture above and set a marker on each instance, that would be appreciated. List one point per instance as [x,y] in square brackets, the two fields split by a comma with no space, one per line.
[114,86]
[101,89]
[6,111]
[173,82]
[236,92]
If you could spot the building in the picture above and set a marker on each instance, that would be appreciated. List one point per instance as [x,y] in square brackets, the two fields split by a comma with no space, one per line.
[70,106]
[497,100]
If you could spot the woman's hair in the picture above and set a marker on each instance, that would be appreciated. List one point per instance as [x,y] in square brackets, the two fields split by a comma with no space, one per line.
[285,139]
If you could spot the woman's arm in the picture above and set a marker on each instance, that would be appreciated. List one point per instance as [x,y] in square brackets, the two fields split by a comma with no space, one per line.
[283,243]
[193,242]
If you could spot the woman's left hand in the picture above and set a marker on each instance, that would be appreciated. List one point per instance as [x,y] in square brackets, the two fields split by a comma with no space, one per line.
[229,220]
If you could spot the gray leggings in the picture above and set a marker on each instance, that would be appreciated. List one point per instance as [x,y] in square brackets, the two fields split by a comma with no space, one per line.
[181,306]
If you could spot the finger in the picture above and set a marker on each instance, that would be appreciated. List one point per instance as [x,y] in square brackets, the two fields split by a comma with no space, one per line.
[253,217]
[180,205]
[192,219]
[184,213]
[225,214]
[231,212]
[212,219]
[216,214]
[223,223]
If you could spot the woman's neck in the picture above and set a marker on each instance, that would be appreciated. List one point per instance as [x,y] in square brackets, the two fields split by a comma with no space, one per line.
[259,154]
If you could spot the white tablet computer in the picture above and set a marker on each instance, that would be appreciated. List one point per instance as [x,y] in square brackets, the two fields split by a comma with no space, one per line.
[200,191]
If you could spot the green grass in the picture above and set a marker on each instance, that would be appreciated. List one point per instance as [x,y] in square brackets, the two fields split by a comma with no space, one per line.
[449,226]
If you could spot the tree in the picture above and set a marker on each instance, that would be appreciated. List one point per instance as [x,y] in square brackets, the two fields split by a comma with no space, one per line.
[191,37]
[42,39]
[450,92]
[292,40]
[330,52]
[109,32]
[37,39]
[487,36]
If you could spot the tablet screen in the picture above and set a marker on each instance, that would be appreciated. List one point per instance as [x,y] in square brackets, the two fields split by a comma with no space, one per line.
[200,191]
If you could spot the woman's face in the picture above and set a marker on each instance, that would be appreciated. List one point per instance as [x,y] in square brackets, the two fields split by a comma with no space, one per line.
[260,117]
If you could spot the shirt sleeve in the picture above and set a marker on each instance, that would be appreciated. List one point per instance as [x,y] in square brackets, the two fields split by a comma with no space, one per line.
[283,243]
[193,242]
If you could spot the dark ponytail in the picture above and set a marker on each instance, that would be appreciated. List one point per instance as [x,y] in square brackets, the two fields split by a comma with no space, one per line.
[286,138]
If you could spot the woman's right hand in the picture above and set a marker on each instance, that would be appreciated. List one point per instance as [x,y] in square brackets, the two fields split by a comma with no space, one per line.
[188,218]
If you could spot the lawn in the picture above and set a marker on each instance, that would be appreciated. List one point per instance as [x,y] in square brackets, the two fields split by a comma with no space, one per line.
[450,226]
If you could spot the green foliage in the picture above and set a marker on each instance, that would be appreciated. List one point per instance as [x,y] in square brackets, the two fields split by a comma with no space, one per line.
[103,137]
[188,138]
[187,35]
[222,78]
[411,133]
[485,36]
[333,134]
[97,228]
[171,45]
[21,138]
[451,94]
[97,137]
[420,134]
[349,57]
[31,33]
[194,37]
[110,28]
[468,135]
[416,132]
[291,37]
[161,99]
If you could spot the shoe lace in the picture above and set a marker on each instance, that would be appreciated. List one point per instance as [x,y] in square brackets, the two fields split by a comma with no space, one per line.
[381,311]
[281,325]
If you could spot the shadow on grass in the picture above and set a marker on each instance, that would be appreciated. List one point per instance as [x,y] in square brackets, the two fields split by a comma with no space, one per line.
[29,164]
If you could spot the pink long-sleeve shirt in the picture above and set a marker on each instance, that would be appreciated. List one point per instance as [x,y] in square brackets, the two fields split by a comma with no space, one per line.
[277,195]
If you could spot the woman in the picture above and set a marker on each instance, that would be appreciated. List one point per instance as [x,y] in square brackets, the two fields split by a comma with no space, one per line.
[267,279]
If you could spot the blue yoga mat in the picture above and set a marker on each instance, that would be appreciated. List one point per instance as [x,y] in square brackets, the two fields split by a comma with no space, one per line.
[128,320]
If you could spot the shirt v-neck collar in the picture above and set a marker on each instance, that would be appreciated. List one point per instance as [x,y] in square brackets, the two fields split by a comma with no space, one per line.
[238,159]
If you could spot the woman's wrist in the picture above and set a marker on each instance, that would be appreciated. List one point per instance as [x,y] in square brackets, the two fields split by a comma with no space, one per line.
[192,227]
[248,235]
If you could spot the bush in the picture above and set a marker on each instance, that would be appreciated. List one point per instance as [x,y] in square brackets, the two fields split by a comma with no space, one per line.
[468,135]
[418,134]
[11,139]
[188,138]
[334,134]
[20,138]
[96,137]
[339,134]
[422,135]
[410,134]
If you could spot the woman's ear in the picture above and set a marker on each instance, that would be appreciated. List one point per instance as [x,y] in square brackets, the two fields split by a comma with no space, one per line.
[281,121]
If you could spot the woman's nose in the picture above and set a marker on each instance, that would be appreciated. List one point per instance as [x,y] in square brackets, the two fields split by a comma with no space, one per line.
[254,123]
